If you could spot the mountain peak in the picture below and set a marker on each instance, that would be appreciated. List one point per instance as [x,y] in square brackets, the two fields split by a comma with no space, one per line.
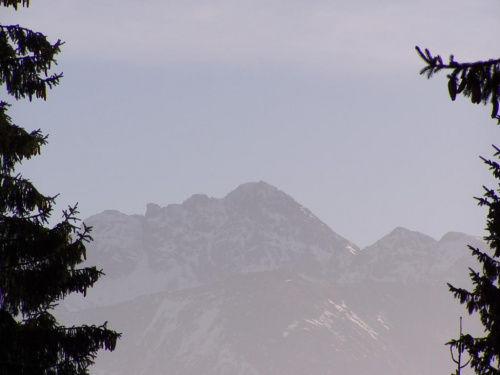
[257,197]
[197,200]
[255,189]
[456,236]
[255,228]
[262,185]
[403,238]
[404,232]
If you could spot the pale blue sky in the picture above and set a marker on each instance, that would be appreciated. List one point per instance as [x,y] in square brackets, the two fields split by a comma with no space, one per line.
[322,99]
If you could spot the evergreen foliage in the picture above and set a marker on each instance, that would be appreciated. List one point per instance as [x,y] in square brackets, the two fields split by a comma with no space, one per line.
[480,81]
[38,264]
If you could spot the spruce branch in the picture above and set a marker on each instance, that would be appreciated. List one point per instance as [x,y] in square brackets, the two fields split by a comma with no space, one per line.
[478,80]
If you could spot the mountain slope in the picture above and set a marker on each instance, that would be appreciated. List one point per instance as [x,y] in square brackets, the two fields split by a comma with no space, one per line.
[272,322]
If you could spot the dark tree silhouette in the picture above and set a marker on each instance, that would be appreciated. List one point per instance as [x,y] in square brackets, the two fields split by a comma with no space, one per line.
[38,264]
[480,81]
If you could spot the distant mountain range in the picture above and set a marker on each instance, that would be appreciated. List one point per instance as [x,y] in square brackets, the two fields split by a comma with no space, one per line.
[254,283]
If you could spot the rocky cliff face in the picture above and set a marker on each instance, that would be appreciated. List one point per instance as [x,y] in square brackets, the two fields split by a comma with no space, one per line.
[254,228]
[254,283]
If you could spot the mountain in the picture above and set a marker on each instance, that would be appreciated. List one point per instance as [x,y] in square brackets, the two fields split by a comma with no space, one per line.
[412,257]
[254,283]
[254,228]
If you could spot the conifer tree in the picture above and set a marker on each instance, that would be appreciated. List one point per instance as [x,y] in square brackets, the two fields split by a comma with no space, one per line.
[39,265]
[479,81]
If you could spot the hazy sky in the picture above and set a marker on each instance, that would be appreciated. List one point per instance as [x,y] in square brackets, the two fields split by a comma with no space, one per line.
[322,99]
